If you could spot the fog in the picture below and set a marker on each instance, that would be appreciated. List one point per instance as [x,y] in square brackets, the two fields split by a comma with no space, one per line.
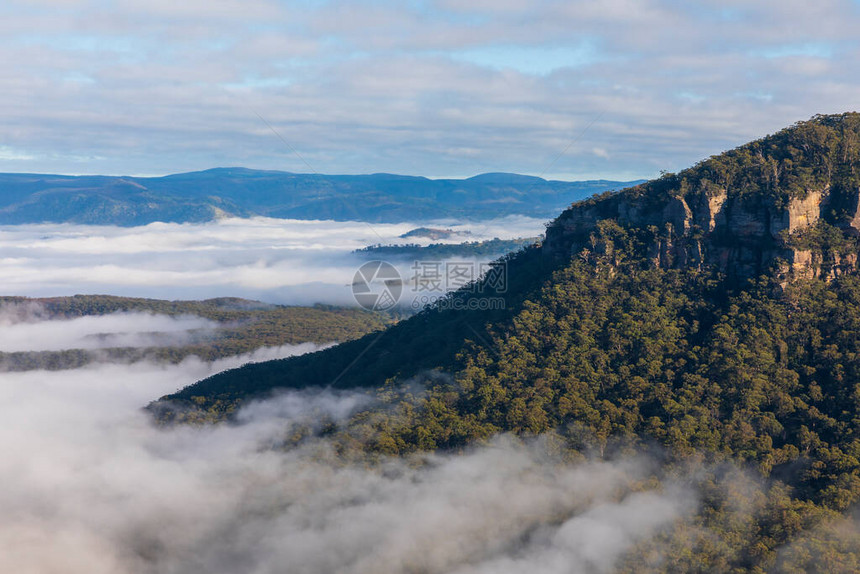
[91,486]
[277,261]
[101,332]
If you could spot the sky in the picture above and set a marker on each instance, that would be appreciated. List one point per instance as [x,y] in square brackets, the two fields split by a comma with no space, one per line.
[563,89]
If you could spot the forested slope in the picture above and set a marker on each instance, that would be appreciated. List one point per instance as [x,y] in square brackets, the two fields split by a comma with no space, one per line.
[729,333]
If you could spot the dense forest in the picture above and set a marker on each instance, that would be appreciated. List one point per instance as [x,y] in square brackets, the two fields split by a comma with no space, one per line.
[243,326]
[607,352]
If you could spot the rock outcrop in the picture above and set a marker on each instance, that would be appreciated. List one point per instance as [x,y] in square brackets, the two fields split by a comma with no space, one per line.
[741,236]
[788,203]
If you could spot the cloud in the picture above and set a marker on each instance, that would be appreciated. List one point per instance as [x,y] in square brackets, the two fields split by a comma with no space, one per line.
[7,153]
[278,261]
[90,486]
[529,60]
[600,152]
[381,86]
[96,332]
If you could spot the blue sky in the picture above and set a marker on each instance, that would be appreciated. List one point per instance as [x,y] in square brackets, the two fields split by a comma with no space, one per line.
[625,88]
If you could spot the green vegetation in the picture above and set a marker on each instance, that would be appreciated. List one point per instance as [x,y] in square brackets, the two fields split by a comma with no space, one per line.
[429,340]
[618,358]
[244,326]
[605,353]
[824,238]
[489,248]
[808,155]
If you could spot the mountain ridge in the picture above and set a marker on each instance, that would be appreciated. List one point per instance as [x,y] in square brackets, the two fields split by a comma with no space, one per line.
[715,219]
[744,223]
[242,192]
[709,215]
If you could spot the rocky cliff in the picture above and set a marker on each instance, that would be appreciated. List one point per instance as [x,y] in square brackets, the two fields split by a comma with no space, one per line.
[788,203]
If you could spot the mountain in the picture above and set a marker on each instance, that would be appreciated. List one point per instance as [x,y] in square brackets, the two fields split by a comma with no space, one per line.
[712,314]
[206,195]
[784,207]
[788,204]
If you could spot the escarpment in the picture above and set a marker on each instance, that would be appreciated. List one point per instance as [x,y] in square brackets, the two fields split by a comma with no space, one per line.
[789,203]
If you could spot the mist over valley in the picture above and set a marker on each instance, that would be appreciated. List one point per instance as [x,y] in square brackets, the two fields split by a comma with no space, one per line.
[429,287]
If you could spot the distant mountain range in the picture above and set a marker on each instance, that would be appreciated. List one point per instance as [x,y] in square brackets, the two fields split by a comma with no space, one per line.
[239,192]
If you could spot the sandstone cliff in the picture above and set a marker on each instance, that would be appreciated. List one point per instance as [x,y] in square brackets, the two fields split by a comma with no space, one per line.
[745,212]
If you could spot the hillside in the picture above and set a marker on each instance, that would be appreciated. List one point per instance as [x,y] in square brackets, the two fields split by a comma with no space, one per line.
[714,312]
[206,195]
[775,207]
[240,326]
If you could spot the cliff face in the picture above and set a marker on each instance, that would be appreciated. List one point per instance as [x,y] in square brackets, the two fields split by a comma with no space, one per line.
[742,212]
[740,236]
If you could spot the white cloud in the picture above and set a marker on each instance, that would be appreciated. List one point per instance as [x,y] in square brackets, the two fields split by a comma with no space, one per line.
[98,332]
[600,152]
[366,87]
[279,261]
[90,487]
[8,154]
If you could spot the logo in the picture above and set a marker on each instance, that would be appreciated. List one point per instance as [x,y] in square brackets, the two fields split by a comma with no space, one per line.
[377,286]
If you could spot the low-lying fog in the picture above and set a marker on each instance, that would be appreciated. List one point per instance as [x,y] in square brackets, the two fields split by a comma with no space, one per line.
[274,260]
[90,486]
[101,332]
